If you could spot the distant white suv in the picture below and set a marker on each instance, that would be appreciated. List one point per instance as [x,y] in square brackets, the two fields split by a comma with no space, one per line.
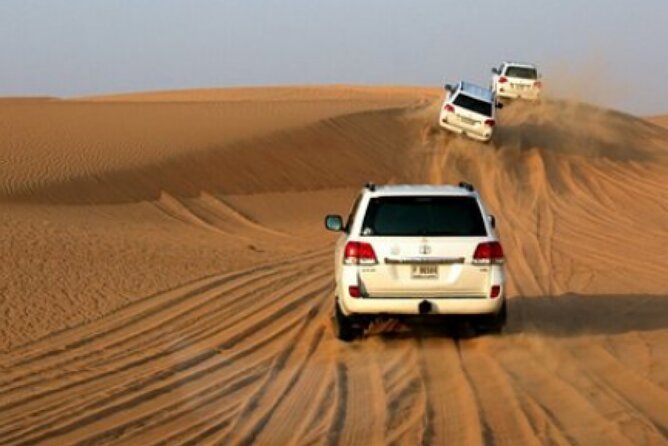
[417,250]
[516,80]
[469,109]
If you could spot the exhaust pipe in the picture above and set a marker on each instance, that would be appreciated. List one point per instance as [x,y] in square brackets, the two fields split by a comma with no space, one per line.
[425,307]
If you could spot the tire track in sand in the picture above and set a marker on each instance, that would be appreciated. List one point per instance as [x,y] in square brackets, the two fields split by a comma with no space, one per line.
[199,359]
[162,317]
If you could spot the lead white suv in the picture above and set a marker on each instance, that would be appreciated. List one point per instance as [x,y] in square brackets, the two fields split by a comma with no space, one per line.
[469,109]
[517,80]
[417,250]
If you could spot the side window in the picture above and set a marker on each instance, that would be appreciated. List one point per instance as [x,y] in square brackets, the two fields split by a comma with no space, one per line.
[353,211]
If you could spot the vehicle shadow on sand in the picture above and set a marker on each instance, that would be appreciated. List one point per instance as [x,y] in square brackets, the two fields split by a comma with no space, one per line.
[558,316]
[577,314]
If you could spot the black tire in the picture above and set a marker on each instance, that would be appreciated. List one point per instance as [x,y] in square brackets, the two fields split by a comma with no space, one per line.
[345,327]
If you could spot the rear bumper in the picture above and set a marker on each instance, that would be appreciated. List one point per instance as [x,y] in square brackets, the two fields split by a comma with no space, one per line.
[528,95]
[410,306]
[484,136]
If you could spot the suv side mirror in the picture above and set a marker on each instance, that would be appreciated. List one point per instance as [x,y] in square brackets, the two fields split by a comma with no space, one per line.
[492,221]
[499,105]
[334,223]
[448,87]
[495,71]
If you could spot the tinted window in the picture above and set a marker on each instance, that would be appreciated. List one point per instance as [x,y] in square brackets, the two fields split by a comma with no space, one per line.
[522,72]
[473,104]
[426,216]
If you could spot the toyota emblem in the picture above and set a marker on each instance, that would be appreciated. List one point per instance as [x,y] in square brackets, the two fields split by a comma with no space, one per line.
[425,249]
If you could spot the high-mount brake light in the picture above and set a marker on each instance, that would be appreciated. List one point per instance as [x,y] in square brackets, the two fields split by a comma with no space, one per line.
[488,253]
[490,122]
[503,80]
[449,108]
[359,253]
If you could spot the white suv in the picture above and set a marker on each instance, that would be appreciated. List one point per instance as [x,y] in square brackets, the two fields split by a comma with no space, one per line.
[417,250]
[516,80]
[469,109]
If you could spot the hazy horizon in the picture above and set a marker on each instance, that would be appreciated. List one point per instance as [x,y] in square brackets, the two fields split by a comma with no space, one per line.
[607,53]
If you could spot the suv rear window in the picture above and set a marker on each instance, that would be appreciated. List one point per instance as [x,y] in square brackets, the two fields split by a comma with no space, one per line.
[522,72]
[473,104]
[423,216]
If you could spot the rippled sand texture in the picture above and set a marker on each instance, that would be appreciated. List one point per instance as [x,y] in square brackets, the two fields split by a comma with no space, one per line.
[166,277]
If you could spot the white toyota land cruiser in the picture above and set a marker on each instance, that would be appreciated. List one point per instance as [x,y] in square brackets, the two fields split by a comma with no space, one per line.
[517,80]
[469,109]
[417,250]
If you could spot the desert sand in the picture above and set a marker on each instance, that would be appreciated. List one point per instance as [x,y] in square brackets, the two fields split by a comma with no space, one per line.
[660,120]
[166,277]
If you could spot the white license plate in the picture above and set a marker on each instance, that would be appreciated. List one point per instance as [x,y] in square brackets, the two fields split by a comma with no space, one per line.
[424,271]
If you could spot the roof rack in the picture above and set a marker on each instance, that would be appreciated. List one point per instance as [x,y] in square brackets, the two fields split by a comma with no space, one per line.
[468,186]
[370,186]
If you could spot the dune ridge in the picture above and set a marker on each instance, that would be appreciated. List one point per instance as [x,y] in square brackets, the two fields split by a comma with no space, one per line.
[297,93]
[167,277]
[661,120]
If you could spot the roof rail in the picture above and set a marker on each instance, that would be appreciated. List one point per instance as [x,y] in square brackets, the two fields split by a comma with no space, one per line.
[468,186]
[370,186]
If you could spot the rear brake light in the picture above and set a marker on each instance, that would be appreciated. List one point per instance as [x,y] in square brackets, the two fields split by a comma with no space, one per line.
[495,291]
[359,253]
[488,253]
[449,108]
[503,80]
[354,291]
[538,84]
[490,122]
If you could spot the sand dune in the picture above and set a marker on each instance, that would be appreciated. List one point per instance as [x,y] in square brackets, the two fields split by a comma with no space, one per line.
[166,277]
[659,120]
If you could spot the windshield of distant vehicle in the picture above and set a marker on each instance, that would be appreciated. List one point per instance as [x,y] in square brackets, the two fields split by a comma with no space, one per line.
[473,104]
[423,216]
[522,72]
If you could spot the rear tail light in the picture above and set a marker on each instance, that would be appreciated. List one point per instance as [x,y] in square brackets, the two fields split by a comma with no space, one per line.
[490,122]
[538,84]
[495,291]
[503,80]
[488,253]
[354,291]
[359,253]
[449,108]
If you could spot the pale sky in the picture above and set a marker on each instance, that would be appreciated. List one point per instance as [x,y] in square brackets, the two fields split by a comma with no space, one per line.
[609,52]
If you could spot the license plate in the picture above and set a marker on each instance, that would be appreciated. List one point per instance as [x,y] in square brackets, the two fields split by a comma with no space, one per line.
[468,121]
[520,86]
[424,271]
